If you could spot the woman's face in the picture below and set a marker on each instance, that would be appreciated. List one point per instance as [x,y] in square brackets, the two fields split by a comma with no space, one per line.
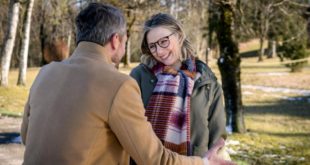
[164,45]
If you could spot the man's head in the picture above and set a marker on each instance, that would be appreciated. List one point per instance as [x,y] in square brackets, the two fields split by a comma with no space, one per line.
[103,24]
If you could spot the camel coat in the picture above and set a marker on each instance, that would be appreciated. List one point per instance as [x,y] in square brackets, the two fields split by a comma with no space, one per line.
[82,111]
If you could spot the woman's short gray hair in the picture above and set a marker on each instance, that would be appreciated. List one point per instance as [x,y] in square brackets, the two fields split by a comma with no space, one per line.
[98,22]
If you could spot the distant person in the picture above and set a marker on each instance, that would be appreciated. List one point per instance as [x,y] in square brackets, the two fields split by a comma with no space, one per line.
[183,100]
[82,111]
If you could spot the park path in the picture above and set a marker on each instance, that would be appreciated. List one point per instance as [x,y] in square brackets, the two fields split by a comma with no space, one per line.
[10,154]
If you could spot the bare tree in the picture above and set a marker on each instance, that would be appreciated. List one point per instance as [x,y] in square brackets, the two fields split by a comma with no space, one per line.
[25,45]
[3,21]
[136,11]
[9,41]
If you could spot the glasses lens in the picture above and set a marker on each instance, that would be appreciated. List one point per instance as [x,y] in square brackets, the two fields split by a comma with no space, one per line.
[152,48]
[164,43]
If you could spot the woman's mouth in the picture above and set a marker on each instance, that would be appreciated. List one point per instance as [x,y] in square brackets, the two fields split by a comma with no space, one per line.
[165,57]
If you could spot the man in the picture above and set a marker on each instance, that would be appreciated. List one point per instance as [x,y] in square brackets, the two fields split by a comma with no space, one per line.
[82,111]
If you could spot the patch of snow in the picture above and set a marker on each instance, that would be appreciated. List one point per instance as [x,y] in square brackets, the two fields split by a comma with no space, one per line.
[294,98]
[247,93]
[221,60]
[275,89]
[282,147]
[301,159]
[270,155]
[289,156]
[273,74]
[231,151]
[229,129]
[232,142]
[280,162]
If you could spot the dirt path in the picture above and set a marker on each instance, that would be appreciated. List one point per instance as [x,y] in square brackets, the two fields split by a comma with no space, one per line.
[10,154]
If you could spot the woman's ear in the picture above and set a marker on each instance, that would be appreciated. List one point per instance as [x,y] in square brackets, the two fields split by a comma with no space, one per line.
[115,41]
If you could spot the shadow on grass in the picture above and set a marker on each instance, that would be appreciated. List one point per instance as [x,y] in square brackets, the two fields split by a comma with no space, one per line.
[298,106]
[249,54]
[11,137]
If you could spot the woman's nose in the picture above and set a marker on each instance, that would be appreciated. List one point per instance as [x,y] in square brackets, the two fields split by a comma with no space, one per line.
[160,50]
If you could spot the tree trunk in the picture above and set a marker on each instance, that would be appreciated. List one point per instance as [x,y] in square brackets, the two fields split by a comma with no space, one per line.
[130,22]
[229,65]
[261,49]
[126,59]
[308,28]
[128,52]
[9,41]
[42,34]
[25,45]
[69,40]
[272,49]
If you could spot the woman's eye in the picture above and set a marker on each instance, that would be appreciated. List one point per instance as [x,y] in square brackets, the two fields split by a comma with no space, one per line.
[164,42]
[152,47]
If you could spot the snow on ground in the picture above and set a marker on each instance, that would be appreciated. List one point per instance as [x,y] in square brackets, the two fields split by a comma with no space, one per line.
[302,92]
[272,74]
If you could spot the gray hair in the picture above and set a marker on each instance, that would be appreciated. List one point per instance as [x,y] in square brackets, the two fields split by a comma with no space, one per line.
[98,22]
[169,22]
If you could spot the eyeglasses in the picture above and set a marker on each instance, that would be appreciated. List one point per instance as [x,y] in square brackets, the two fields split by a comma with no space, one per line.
[163,42]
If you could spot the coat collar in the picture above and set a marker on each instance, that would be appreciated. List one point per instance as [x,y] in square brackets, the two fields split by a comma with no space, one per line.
[92,50]
[206,74]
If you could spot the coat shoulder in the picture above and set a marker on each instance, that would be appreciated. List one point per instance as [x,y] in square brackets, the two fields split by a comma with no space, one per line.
[204,69]
[139,71]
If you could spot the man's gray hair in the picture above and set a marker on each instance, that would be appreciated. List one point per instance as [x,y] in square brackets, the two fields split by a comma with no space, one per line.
[98,22]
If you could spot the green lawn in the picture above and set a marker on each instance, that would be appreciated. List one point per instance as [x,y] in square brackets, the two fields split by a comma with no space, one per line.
[278,126]
[13,98]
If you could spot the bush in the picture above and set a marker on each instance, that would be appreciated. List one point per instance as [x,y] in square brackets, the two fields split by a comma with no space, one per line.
[294,50]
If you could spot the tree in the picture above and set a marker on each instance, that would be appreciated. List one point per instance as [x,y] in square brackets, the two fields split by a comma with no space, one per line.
[294,36]
[135,11]
[3,21]
[55,30]
[229,64]
[9,41]
[25,45]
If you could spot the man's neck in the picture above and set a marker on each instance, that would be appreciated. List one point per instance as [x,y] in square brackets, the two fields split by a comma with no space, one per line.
[105,51]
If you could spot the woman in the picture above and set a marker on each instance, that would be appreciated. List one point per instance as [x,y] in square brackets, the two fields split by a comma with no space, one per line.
[182,97]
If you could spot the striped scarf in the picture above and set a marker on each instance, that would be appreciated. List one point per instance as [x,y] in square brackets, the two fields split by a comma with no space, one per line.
[168,109]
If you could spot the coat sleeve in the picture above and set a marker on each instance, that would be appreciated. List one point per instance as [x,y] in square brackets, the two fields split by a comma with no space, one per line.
[24,126]
[127,121]
[217,116]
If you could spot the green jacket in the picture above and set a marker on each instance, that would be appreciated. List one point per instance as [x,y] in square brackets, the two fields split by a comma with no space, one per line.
[208,117]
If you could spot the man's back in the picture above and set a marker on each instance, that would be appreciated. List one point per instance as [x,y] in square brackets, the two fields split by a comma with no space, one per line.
[69,106]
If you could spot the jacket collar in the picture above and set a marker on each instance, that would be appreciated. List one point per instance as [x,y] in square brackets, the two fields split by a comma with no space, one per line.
[92,50]
[205,71]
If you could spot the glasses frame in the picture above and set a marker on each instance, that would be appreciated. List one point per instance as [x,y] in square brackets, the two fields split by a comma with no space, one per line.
[157,42]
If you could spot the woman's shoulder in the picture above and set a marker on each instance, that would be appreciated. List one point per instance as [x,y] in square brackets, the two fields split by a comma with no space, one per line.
[140,67]
[205,70]
[139,70]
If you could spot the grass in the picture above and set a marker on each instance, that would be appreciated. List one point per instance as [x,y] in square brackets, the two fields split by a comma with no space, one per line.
[278,130]
[13,98]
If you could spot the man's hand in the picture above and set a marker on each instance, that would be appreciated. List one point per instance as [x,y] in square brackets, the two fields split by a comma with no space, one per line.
[212,158]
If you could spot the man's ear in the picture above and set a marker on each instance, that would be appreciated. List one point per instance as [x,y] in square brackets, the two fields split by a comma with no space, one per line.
[115,41]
